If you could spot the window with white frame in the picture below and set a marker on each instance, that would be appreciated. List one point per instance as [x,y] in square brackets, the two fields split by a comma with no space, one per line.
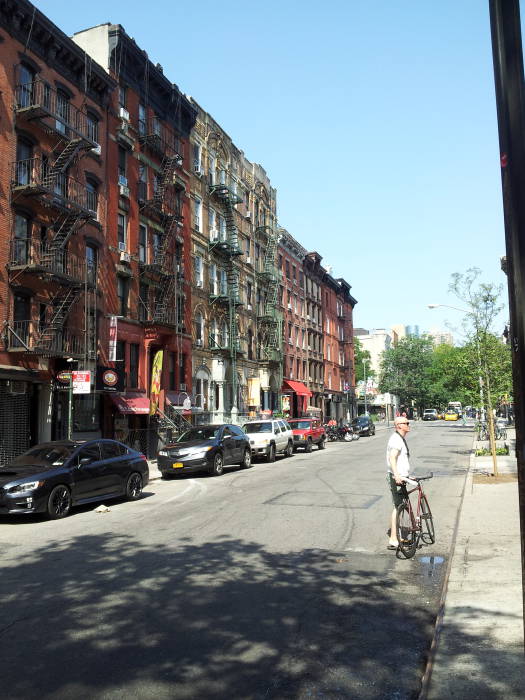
[199,328]
[328,325]
[223,283]
[213,279]
[198,270]
[225,334]
[142,120]
[212,224]
[197,214]
[143,243]
[222,228]
[329,352]
[197,157]
[122,231]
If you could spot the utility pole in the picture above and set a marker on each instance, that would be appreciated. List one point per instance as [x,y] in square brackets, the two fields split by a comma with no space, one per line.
[365,384]
[509,80]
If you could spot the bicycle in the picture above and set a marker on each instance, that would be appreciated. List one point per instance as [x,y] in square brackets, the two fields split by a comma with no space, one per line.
[414,524]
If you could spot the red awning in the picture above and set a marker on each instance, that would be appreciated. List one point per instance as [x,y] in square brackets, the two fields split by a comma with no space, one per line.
[132,403]
[297,387]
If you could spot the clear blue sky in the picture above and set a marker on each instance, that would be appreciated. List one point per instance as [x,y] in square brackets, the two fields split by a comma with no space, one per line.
[375,121]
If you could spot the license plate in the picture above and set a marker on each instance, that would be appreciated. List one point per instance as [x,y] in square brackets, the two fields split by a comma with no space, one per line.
[177,465]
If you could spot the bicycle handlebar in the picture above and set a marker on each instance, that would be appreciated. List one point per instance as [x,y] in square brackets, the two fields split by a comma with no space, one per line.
[414,480]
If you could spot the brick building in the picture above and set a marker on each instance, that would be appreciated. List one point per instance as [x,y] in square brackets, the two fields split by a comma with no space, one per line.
[147,234]
[55,103]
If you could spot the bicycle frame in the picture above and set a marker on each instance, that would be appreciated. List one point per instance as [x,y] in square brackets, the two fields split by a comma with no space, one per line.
[415,518]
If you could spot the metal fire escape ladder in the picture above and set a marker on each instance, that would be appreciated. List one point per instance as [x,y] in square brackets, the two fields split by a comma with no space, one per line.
[64,227]
[271,320]
[62,304]
[168,166]
[61,159]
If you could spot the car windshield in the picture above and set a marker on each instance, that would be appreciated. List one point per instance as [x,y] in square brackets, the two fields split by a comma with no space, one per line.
[301,424]
[44,455]
[204,433]
[258,428]
[361,419]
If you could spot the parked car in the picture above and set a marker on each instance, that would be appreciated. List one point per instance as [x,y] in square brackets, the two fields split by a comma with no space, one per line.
[209,448]
[55,476]
[451,415]
[430,414]
[269,437]
[364,425]
[307,432]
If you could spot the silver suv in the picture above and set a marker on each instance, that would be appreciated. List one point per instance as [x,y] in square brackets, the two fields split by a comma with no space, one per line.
[268,437]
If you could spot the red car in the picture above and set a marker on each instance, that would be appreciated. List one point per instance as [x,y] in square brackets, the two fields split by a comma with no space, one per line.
[307,432]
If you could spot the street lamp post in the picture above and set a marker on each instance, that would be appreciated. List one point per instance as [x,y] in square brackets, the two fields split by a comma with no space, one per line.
[482,365]
[70,400]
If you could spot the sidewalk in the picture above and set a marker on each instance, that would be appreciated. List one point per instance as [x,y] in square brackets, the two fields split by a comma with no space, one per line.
[480,650]
[154,472]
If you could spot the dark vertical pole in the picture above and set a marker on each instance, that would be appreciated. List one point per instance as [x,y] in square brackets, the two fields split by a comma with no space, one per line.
[508,76]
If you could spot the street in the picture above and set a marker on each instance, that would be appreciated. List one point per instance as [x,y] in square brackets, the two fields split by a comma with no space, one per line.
[272,582]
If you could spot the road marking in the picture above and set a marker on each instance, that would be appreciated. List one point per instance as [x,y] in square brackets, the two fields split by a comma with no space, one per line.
[188,488]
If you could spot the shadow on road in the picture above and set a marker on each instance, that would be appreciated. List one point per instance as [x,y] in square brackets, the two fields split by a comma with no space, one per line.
[105,616]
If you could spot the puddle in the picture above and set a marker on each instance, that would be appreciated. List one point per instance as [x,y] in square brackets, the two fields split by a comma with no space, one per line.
[431,565]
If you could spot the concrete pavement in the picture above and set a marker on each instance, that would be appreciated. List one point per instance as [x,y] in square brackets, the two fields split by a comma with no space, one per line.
[479,649]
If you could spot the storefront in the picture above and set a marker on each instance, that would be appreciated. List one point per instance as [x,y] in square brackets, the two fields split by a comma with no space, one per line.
[298,394]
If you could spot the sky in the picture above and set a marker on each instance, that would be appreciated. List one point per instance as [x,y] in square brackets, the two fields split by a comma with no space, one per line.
[374,119]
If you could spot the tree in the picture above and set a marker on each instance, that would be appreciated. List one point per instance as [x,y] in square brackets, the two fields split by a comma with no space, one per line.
[405,371]
[361,354]
[483,305]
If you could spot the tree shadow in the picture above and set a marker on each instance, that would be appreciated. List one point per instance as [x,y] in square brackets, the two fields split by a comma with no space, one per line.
[106,616]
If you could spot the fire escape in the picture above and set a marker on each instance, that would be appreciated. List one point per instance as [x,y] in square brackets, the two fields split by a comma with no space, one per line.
[168,212]
[46,179]
[227,248]
[270,320]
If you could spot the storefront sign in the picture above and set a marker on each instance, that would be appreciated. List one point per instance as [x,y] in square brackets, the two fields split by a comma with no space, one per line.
[81,382]
[156,375]
[112,350]
[109,379]
[64,377]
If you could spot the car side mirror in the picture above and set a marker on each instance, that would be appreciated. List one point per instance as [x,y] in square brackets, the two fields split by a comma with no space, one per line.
[84,460]
[276,431]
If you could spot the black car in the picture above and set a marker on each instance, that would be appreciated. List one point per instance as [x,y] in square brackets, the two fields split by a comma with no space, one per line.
[54,476]
[206,448]
[364,425]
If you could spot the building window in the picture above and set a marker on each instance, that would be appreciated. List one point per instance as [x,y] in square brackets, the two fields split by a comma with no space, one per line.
[122,166]
[91,263]
[122,95]
[197,215]
[92,196]
[172,371]
[287,266]
[24,162]
[25,89]
[182,368]
[92,127]
[21,251]
[143,301]
[123,294]
[142,120]
[62,111]
[199,328]
[197,163]
[122,225]
[134,350]
[142,192]
[198,270]
[143,242]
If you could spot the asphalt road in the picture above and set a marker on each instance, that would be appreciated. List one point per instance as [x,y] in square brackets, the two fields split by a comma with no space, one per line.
[272,582]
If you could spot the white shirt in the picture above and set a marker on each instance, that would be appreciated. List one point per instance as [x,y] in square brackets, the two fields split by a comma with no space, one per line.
[397,443]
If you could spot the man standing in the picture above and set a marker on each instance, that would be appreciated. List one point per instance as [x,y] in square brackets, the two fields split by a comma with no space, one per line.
[398,467]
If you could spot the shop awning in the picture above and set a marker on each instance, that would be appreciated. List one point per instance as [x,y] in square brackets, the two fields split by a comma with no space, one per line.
[297,387]
[136,404]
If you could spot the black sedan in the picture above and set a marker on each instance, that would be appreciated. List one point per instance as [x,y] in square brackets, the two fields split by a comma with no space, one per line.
[364,425]
[54,476]
[206,448]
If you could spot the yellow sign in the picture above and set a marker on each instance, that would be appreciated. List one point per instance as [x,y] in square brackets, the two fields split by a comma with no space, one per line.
[156,376]
[254,391]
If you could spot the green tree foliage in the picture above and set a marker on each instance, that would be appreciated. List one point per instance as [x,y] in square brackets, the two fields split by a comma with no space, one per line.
[405,371]
[361,354]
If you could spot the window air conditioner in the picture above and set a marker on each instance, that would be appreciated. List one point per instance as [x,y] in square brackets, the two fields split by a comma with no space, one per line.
[307,317]
[125,257]
[197,169]
[123,191]
[249,307]
[97,150]
[122,246]
[289,307]
[198,342]
[122,180]
[248,215]
[310,379]
[249,261]
[290,341]
[182,386]
[310,347]
[123,114]
[198,283]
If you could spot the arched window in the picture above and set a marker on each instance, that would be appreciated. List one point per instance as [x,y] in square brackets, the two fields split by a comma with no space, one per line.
[199,329]
[214,332]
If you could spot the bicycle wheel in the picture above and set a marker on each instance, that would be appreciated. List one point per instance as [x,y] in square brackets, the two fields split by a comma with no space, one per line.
[407,533]
[428,534]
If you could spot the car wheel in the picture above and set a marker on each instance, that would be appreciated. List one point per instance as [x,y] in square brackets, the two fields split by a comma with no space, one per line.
[218,465]
[246,460]
[59,502]
[289,450]
[270,455]
[321,444]
[308,447]
[134,487]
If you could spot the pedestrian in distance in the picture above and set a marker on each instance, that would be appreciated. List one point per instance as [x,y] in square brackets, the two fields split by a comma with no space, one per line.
[398,469]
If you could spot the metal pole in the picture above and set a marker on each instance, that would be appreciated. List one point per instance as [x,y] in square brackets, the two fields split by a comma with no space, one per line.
[509,80]
[364,380]
[70,405]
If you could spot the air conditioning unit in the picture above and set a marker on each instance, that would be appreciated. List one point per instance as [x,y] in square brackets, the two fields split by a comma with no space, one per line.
[198,283]
[198,342]
[310,348]
[249,307]
[214,234]
[122,246]
[248,215]
[123,114]
[125,257]
[310,379]
[122,180]
[182,386]
[290,341]
[197,169]
[97,150]
[123,191]
[289,307]
[249,261]
[307,317]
